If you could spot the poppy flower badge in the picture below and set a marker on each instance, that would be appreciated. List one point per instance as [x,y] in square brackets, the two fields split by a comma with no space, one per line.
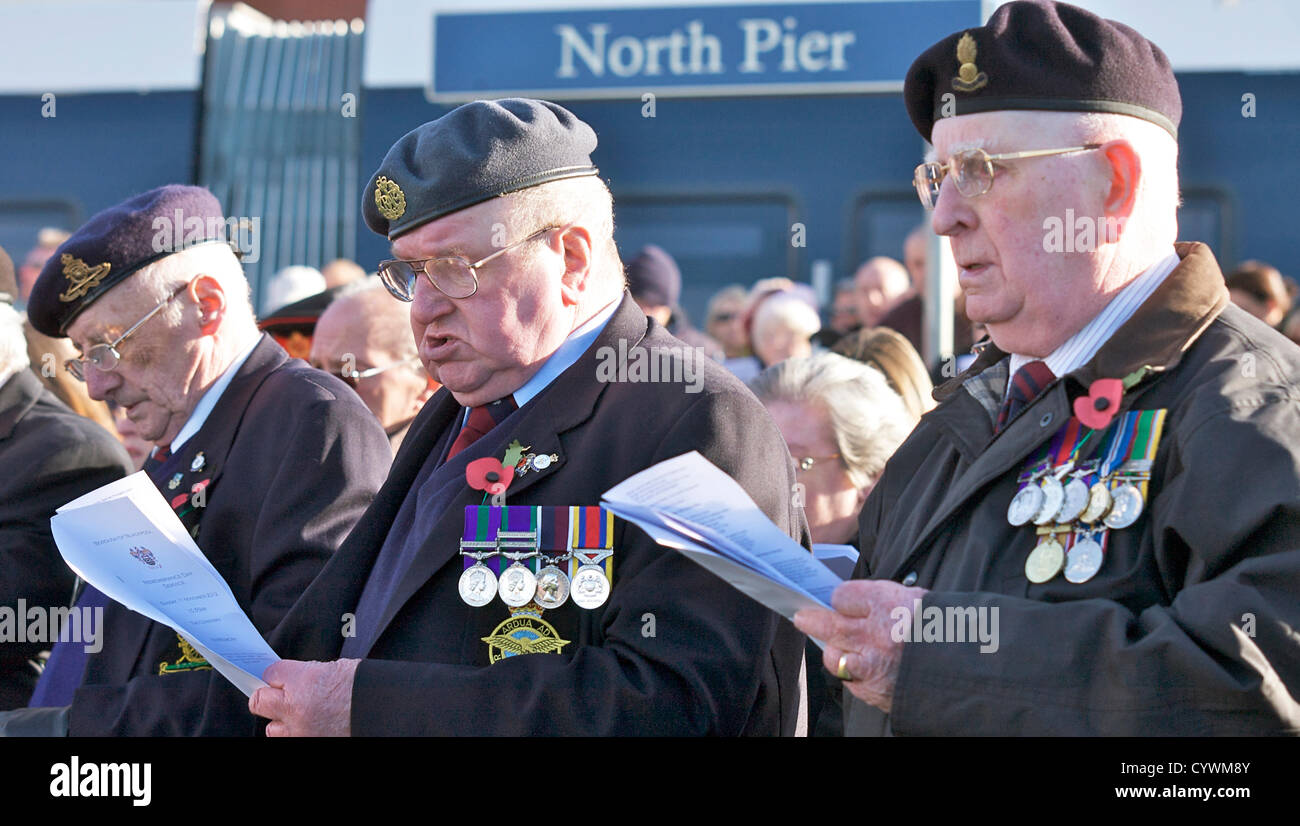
[1097,409]
[488,475]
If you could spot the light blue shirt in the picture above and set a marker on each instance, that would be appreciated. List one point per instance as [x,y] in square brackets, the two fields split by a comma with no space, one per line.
[210,399]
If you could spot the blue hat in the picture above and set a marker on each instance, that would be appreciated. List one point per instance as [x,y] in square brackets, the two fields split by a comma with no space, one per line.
[653,278]
[116,243]
[474,153]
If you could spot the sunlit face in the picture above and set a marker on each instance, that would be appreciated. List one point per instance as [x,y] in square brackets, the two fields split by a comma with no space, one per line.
[154,382]
[484,347]
[873,298]
[1031,299]
[831,502]
[342,343]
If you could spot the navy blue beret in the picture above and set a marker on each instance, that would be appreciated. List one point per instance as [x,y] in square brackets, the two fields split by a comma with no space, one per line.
[653,278]
[1045,56]
[116,243]
[472,154]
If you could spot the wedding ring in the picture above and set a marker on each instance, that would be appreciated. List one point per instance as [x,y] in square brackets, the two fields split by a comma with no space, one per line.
[843,671]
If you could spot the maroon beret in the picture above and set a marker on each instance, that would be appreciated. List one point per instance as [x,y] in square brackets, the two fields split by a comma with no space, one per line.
[1041,55]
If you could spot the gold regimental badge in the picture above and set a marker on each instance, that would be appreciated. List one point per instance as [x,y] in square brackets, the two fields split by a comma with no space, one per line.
[81,278]
[524,633]
[189,660]
[969,78]
[389,199]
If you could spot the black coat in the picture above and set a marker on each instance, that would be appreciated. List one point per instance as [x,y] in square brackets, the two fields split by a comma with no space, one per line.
[717,663]
[293,458]
[49,456]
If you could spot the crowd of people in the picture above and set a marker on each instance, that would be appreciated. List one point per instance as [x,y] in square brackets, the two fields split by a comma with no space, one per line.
[328,453]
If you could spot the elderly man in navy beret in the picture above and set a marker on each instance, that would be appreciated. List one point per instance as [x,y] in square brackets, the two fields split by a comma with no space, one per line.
[1098,530]
[487,608]
[267,461]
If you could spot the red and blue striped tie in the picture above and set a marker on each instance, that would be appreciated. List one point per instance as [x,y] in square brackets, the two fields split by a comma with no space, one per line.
[1025,386]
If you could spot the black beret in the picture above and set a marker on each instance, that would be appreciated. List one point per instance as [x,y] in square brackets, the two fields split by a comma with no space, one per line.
[1035,54]
[8,284]
[472,154]
[118,242]
[653,277]
[300,316]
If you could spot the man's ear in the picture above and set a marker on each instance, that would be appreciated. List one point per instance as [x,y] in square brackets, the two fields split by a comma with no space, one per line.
[208,294]
[578,258]
[1121,195]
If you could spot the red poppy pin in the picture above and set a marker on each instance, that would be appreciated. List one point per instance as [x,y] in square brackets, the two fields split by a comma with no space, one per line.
[1098,408]
[488,475]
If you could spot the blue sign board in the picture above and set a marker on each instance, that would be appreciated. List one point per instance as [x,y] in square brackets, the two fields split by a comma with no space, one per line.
[688,50]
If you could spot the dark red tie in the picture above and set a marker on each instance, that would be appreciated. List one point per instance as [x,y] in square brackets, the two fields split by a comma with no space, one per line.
[480,422]
[1025,386]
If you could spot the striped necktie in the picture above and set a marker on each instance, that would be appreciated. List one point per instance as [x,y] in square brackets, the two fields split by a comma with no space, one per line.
[1024,387]
[480,422]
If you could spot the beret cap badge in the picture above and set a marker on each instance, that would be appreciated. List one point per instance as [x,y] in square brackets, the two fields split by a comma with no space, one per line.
[969,78]
[81,277]
[389,199]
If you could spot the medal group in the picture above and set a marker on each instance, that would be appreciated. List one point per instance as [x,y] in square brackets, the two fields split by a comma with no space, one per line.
[1074,504]
[543,554]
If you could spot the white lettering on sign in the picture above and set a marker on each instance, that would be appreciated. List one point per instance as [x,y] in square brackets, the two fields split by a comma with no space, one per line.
[766,41]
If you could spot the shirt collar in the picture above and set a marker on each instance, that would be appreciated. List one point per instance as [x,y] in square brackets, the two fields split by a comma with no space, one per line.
[1079,349]
[566,354]
[210,399]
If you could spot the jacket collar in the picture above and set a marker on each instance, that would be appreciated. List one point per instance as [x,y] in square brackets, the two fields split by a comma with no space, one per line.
[1157,334]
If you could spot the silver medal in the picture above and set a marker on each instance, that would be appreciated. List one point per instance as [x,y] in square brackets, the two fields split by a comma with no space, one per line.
[1025,504]
[1127,507]
[517,586]
[1053,498]
[1076,499]
[552,587]
[590,587]
[478,585]
[1083,561]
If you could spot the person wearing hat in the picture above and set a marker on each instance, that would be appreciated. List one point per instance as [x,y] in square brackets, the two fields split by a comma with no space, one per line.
[502,238]
[49,455]
[655,283]
[1096,531]
[266,461]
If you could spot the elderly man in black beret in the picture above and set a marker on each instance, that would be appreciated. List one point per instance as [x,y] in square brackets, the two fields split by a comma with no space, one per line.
[536,613]
[1098,530]
[268,462]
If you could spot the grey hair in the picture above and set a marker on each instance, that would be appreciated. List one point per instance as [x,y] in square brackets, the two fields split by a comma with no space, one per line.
[866,416]
[161,278]
[790,311]
[13,342]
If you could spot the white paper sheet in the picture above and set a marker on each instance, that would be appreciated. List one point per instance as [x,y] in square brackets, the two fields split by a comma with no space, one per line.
[168,579]
[687,503]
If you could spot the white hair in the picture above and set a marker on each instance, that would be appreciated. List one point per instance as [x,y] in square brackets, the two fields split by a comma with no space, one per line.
[586,201]
[867,418]
[788,311]
[13,342]
[161,278]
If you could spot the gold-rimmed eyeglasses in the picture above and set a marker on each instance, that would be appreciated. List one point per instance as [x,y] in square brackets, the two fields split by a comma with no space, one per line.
[354,376]
[972,171]
[452,276]
[809,462]
[106,356]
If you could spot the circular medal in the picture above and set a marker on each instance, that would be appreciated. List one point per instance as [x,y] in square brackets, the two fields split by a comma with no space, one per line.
[1045,561]
[1099,502]
[517,586]
[1025,504]
[1053,498]
[1076,499]
[552,587]
[542,462]
[478,585]
[590,588]
[1126,508]
[1084,560]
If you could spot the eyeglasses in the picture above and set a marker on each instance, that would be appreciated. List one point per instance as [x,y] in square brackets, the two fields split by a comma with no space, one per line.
[972,171]
[353,376]
[106,356]
[454,277]
[807,462]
